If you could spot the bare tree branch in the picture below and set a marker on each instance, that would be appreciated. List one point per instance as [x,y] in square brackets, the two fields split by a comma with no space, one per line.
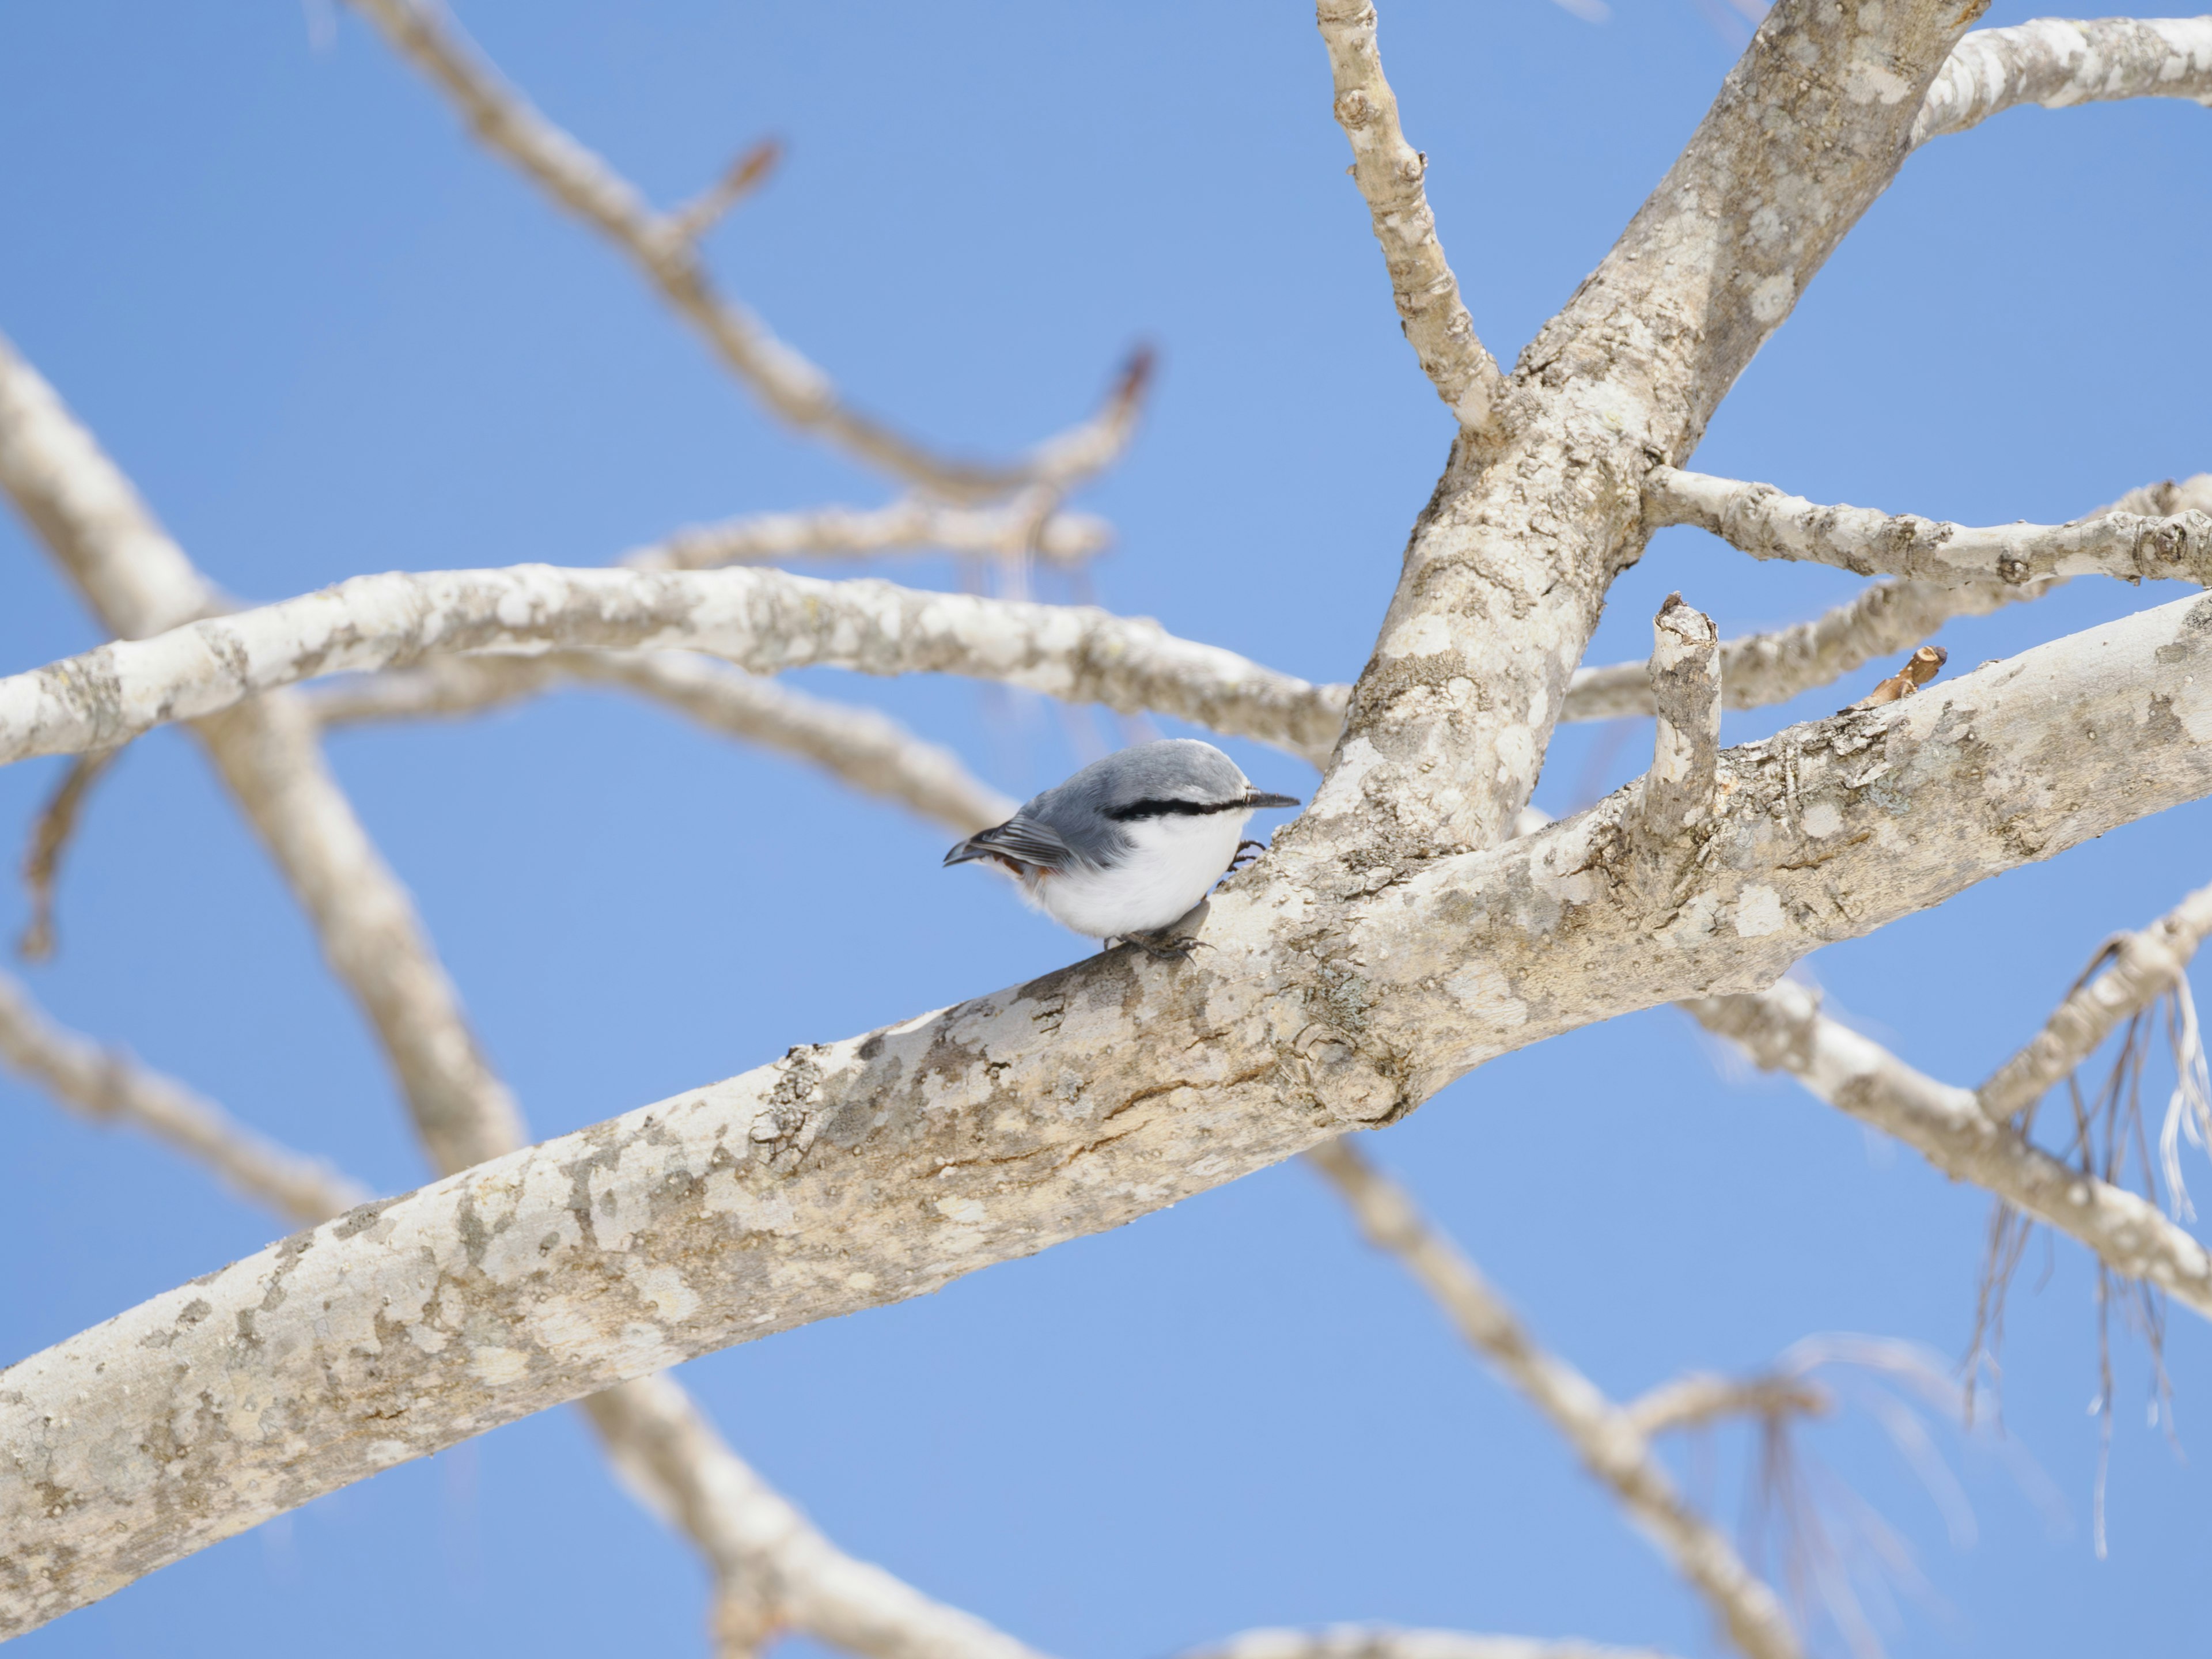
[1762,669]
[759,1542]
[763,620]
[1782,1029]
[662,248]
[1508,567]
[2058,61]
[764,1553]
[1759,670]
[1701,1399]
[872,753]
[1761,520]
[1065,1106]
[1388,172]
[266,751]
[2144,965]
[1382,1642]
[140,582]
[1024,525]
[1605,1438]
[110,1087]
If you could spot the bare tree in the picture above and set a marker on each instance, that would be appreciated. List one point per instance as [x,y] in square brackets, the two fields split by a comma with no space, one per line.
[1416,922]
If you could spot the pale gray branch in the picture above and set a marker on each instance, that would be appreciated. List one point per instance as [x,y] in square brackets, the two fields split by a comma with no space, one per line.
[1761,520]
[1388,172]
[778,1571]
[765,1554]
[2144,965]
[140,583]
[2058,61]
[766,1558]
[1507,568]
[1328,998]
[1605,1438]
[1759,670]
[870,751]
[1385,1642]
[1782,1029]
[1025,526]
[110,1087]
[762,620]
[662,248]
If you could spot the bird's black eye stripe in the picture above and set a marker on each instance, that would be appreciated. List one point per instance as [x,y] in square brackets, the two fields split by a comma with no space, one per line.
[1160,807]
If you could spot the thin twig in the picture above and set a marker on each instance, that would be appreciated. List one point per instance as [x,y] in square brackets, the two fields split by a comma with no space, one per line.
[1702,1398]
[1603,1436]
[1388,172]
[50,839]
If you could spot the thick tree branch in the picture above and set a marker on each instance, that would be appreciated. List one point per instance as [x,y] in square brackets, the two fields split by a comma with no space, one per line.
[1383,1642]
[110,1087]
[1761,520]
[2144,966]
[762,620]
[877,1168]
[765,1555]
[872,753]
[664,251]
[1605,1438]
[267,752]
[1025,526]
[1388,172]
[1782,1029]
[1509,563]
[2058,61]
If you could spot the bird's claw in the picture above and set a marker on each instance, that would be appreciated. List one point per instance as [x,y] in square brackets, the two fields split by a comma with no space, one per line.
[1164,946]
[1247,852]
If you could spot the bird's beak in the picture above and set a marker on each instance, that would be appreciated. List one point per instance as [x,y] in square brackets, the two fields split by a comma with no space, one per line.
[1260,798]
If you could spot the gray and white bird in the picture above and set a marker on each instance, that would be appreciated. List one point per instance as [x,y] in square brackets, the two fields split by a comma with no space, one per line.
[1130,844]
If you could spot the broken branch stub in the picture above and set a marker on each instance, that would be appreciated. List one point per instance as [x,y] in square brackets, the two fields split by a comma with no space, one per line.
[1685,685]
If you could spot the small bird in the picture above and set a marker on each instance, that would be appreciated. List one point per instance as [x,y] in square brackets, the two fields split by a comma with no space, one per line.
[1129,845]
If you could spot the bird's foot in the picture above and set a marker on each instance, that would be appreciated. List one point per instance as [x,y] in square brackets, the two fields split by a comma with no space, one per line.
[1164,946]
[1247,852]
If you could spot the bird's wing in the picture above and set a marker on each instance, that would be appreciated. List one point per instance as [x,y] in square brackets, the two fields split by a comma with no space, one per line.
[1022,840]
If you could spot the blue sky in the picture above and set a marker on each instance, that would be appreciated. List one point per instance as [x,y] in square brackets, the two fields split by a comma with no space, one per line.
[328,336]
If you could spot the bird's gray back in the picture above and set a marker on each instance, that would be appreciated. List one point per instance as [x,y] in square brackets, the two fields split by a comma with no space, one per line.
[1082,809]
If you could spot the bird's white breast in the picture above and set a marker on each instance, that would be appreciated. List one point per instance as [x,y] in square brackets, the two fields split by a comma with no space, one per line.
[1173,864]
